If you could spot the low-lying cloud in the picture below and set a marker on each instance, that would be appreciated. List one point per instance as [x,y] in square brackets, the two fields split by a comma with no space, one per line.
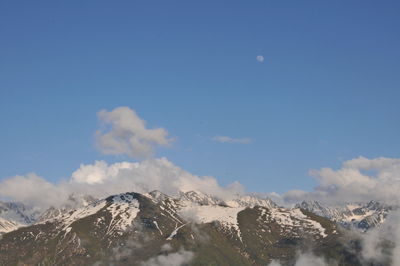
[102,179]
[305,259]
[33,190]
[182,257]
[358,180]
[124,132]
[377,242]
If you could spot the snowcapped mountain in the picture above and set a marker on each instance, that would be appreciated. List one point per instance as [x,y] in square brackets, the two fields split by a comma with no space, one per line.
[132,228]
[359,215]
[14,215]
[8,226]
[18,212]
[73,202]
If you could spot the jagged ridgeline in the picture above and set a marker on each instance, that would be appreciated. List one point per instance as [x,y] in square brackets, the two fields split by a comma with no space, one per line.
[192,229]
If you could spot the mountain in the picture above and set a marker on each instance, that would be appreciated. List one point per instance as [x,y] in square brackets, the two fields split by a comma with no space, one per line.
[8,225]
[192,229]
[18,212]
[73,202]
[14,215]
[360,215]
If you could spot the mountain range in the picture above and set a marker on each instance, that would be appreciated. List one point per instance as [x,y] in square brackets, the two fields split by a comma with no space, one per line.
[192,228]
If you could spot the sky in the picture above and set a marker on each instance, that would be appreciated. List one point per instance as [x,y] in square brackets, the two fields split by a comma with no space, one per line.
[255,91]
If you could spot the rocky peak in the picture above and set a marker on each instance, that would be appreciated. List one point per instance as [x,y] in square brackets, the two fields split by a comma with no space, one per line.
[200,198]
[158,195]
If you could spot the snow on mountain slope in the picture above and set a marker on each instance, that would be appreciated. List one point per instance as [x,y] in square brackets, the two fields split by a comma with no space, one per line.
[8,226]
[251,201]
[135,227]
[226,216]
[74,202]
[201,208]
[359,215]
[199,198]
[194,206]
[289,219]
[124,209]
[68,218]
[14,215]
[18,213]
[335,214]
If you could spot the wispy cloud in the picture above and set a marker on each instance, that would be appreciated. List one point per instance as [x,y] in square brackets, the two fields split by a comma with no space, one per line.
[260,58]
[226,139]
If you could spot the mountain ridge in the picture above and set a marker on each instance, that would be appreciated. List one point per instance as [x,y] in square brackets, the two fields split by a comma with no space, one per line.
[241,231]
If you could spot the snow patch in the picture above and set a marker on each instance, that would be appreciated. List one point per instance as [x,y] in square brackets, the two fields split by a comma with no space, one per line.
[291,218]
[299,214]
[123,209]
[156,224]
[227,216]
[8,226]
[72,216]
[173,234]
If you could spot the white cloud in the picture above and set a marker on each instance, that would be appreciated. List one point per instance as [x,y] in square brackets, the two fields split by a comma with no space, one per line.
[101,180]
[307,259]
[274,263]
[260,58]
[33,190]
[153,174]
[358,180]
[373,249]
[182,257]
[99,172]
[120,252]
[226,139]
[304,259]
[124,132]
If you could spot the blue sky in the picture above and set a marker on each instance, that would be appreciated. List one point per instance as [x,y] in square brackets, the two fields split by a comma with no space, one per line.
[327,91]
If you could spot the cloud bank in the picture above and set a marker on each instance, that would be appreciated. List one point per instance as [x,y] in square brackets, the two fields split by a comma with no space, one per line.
[124,132]
[358,180]
[102,179]
[226,139]
[33,191]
